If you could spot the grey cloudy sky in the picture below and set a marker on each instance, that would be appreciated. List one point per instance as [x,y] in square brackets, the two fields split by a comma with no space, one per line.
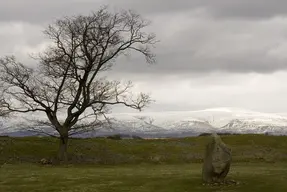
[223,53]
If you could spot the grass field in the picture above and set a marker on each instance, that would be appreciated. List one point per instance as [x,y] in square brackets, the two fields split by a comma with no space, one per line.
[245,148]
[138,178]
[259,164]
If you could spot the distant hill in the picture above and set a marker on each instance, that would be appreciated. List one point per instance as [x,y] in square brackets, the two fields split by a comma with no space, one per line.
[174,124]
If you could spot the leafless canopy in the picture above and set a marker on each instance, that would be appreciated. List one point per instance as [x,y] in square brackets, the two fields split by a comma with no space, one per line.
[67,79]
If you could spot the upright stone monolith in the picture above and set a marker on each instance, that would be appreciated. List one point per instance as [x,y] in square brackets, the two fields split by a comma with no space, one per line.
[217,161]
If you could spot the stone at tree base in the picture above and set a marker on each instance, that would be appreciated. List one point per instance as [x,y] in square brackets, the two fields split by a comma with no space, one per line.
[217,161]
[45,161]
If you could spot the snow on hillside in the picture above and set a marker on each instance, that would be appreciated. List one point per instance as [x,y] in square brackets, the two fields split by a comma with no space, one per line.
[232,120]
[216,119]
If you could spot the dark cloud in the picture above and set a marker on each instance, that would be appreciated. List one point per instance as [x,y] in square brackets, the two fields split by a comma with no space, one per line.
[191,41]
[212,53]
[181,63]
[207,45]
[248,8]
[222,8]
[42,10]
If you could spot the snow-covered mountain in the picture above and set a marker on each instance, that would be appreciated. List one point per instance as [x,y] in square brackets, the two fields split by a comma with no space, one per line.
[182,123]
[230,120]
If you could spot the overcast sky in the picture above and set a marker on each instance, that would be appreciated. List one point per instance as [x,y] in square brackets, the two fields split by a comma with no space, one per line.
[212,53]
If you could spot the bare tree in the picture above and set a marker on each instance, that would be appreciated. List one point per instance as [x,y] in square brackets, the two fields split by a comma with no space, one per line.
[3,111]
[67,84]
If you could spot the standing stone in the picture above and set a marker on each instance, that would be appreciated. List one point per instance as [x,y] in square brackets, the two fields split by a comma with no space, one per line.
[217,161]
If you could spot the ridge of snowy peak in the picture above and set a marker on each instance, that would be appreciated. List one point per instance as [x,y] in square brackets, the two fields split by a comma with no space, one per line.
[148,124]
[236,123]
[187,125]
[134,125]
[254,126]
[256,121]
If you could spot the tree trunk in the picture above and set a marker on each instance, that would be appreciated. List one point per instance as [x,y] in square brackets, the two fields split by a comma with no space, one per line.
[63,149]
